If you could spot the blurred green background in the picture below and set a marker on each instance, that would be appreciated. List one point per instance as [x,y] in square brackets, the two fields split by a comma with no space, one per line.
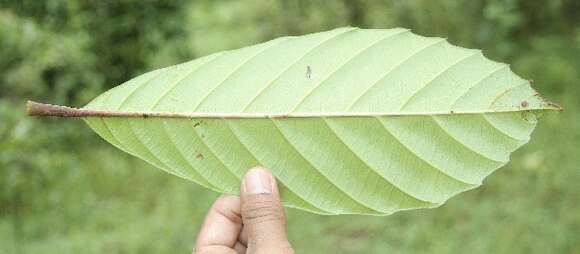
[64,190]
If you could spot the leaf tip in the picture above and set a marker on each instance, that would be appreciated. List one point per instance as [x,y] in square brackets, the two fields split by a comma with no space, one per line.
[546,104]
[554,106]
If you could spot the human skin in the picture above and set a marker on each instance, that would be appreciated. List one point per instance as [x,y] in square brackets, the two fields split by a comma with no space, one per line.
[252,223]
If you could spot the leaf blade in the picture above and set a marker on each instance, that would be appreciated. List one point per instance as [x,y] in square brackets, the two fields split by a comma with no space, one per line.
[351,121]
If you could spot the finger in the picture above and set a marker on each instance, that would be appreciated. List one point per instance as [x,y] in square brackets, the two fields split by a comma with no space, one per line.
[240,248]
[216,250]
[243,238]
[222,224]
[262,212]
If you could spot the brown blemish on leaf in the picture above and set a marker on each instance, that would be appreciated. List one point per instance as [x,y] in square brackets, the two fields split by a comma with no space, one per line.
[530,117]
[524,104]
[196,124]
[199,156]
[524,115]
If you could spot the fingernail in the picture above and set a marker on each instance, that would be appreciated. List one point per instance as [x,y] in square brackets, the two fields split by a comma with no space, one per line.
[257,181]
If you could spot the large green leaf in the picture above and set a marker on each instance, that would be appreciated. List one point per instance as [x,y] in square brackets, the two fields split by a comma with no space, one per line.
[351,121]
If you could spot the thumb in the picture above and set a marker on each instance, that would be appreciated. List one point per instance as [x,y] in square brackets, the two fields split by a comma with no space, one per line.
[262,213]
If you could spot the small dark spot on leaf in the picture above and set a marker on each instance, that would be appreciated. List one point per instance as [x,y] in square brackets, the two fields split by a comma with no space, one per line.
[199,156]
[308,72]
[452,112]
[202,136]
[144,115]
[529,116]
[196,124]
[531,81]
[524,104]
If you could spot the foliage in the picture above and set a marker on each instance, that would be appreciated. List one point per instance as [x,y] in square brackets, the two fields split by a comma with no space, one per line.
[448,117]
[93,200]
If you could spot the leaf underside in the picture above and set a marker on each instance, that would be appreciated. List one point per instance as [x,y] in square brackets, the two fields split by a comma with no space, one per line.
[395,121]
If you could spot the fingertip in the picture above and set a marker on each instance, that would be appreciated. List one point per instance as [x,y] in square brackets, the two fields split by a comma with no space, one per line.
[258,170]
[258,180]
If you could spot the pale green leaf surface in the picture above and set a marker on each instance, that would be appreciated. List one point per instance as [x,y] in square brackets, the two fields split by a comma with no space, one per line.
[432,119]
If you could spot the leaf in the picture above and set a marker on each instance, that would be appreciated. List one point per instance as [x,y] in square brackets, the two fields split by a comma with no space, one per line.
[351,121]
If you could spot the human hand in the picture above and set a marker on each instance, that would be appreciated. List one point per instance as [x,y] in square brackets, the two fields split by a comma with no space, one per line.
[252,223]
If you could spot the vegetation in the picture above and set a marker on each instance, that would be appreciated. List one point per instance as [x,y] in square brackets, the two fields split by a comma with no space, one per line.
[64,190]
